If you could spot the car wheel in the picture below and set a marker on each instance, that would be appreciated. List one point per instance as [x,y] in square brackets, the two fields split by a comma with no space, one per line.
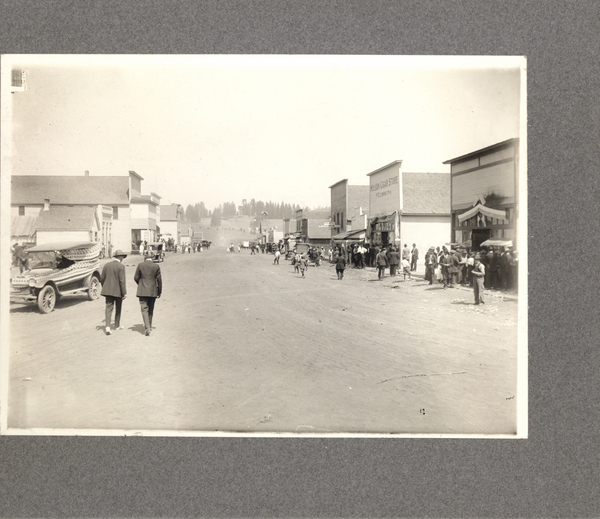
[94,290]
[46,299]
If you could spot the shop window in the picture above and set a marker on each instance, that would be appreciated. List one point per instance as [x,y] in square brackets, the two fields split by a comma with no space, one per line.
[21,210]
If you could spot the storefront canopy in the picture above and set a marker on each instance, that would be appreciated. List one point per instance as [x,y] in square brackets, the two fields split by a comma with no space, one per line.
[350,235]
[382,219]
[486,211]
[497,243]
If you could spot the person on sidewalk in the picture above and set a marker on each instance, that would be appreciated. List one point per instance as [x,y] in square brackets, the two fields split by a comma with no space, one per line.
[414,256]
[114,289]
[406,252]
[478,274]
[149,281]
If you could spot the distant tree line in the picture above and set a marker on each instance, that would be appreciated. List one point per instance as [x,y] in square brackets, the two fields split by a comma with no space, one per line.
[254,208]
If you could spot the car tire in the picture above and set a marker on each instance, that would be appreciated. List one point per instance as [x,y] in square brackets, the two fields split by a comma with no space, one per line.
[46,299]
[94,290]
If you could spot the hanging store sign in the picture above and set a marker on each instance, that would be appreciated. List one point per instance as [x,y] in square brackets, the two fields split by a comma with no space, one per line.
[384,226]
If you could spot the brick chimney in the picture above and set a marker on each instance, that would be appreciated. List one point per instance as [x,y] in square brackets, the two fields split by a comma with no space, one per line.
[87,173]
[46,204]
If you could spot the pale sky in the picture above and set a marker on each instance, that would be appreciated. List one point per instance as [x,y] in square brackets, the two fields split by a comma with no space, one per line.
[281,128]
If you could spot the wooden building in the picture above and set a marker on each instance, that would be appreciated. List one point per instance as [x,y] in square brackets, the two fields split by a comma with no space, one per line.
[408,207]
[485,194]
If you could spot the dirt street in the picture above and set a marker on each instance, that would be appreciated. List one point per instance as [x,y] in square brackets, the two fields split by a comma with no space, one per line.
[244,345]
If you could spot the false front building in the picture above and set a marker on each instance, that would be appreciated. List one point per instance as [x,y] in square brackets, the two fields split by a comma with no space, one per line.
[485,194]
[408,207]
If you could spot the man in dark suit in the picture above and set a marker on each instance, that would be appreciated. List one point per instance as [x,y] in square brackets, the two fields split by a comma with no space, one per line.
[414,256]
[148,278]
[114,289]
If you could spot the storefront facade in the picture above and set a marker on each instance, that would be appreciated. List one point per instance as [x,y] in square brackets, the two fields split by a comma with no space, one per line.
[484,192]
[408,207]
[385,195]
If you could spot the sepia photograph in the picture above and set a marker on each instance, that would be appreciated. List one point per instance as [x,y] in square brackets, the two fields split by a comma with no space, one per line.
[264,245]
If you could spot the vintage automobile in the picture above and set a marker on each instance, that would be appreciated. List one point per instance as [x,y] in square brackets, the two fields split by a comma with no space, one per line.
[58,269]
[156,251]
[313,254]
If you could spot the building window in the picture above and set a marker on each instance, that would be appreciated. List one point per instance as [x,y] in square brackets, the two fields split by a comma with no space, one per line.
[115,212]
[342,221]
[21,210]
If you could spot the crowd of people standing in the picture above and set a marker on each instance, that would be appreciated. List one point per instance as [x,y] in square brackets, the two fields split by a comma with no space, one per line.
[448,266]
[455,267]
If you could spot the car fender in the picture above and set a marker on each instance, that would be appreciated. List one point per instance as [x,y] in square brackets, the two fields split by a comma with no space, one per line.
[51,283]
[88,280]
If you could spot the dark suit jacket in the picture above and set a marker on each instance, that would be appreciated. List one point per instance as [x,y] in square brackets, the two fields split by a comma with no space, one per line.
[148,278]
[113,279]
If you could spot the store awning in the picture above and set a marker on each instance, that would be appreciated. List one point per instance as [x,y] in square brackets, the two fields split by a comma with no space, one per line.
[382,219]
[486,211]
[350,235]
[497,243]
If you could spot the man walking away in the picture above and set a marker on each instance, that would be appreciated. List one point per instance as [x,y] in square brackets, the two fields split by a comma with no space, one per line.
[277,256]
[149,281]
[381,262]
[114,289]
[394,260]
[478,274]
[303,264]
[414,256]
[340,265]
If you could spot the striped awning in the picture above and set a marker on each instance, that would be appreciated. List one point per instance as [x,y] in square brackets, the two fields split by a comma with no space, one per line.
[486,211]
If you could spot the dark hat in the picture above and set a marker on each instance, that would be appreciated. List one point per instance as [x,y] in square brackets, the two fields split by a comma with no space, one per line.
[119,254]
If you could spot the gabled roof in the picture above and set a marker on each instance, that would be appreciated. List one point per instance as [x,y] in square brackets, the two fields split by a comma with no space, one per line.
[69,190]
[64,218]
[426,193]
[168,212]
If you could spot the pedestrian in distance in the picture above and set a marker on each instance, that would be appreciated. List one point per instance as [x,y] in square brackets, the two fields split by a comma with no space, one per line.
[478,274]
[394,259]
[406,269]
[430,265]
[340,265]
[277,256]
[114,289]
[414,256]
[381,263]
[303,264]
[406,252]
[149,281]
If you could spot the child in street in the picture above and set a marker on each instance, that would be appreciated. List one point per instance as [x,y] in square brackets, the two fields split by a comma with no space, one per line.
[406,268]
[303,264]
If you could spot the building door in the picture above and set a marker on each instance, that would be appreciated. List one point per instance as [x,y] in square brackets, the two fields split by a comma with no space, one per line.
[478,236]
[385,239]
